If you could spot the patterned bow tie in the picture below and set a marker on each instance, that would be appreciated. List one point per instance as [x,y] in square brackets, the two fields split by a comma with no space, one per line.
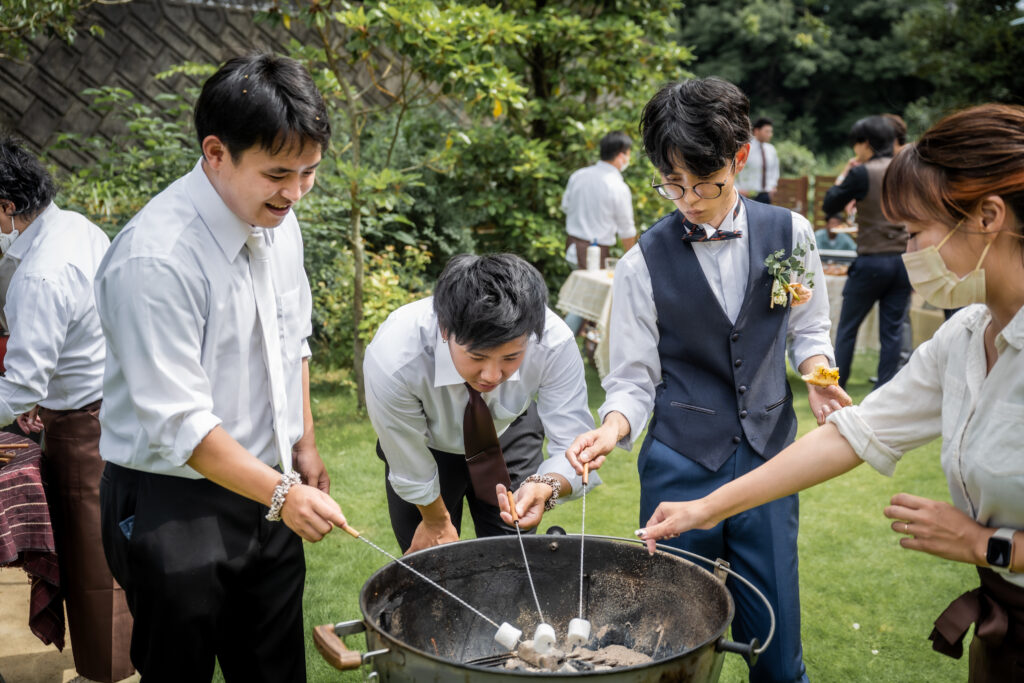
[696,233]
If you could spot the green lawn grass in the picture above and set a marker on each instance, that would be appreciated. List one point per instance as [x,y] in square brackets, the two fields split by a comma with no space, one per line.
[868,605]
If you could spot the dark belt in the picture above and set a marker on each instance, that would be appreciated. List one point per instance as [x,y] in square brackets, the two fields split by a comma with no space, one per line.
[90,408]
[990,607]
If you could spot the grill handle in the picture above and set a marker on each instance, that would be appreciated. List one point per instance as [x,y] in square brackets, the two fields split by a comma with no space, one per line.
[333,649]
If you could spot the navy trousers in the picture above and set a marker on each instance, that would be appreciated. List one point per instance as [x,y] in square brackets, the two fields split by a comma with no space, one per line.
[882,278]
[759,544]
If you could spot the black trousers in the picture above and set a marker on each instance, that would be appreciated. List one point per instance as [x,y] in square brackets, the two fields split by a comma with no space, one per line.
[206,576]
[521,444]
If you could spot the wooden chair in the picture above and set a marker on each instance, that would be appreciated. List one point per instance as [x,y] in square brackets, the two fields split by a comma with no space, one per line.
[821,185]
[791,193]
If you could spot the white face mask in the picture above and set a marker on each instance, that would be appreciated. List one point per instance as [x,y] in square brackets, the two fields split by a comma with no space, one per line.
[940,286]
[624,167]
[7,238]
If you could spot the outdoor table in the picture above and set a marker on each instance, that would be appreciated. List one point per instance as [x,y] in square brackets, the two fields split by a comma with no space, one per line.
[26,537]
[588,294]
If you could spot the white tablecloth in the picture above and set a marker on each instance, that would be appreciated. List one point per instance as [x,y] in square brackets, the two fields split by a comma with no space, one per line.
[588,294]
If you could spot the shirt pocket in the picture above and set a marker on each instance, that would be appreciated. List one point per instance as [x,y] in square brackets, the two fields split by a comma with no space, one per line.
[998,440]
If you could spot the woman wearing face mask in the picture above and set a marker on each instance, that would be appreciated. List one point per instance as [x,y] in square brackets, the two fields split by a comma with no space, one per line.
[960,192]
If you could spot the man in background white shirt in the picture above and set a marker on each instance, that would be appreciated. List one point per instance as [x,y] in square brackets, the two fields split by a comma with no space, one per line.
[486,329]
[598,204]
[760,176]
[54,365]
[199,408]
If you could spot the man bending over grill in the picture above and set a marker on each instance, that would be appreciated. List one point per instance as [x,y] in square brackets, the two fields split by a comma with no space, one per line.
[449,374]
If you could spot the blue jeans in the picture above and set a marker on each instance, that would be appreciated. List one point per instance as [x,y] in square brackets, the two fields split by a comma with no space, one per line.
[881,278]
[759,544]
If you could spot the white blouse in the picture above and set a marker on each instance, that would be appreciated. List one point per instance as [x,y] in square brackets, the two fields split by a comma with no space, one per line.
[944,391]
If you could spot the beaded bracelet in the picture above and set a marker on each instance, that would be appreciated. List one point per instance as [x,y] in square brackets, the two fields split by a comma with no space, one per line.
[544,479]
[280,491]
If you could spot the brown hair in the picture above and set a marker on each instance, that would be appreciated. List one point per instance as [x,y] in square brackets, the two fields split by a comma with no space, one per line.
[965,157]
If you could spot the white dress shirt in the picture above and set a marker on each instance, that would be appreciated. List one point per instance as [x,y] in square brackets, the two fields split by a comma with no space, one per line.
[598,205]
[184,353]
[749,179]
[55,353]
[417,399]
[945,392]
[635,366]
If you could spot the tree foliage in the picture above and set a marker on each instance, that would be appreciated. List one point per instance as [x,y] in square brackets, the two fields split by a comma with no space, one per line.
[815,66]
[22,20]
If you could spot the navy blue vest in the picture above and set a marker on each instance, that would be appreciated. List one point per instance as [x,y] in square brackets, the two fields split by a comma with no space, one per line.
[720,381]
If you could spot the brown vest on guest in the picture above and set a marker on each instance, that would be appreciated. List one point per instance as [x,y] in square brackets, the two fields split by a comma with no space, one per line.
[875,234]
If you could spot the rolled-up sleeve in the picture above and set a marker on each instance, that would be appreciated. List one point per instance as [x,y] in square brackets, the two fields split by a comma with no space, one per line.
[903,414]
[562,406]
[397,417]
[156,334]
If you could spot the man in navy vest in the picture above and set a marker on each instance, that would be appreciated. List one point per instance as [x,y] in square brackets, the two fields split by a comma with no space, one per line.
[696,339]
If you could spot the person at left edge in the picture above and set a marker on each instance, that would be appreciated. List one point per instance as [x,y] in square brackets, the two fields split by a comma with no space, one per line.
[199,411]
[487,328]
[54,380]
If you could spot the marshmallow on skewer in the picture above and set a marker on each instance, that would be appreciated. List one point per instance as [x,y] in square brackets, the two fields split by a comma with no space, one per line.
[508,636]
[543,638]
[579,633]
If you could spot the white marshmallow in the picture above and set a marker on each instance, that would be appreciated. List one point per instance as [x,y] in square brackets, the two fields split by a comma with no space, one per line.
[579,633]
[543,638]
[508,636]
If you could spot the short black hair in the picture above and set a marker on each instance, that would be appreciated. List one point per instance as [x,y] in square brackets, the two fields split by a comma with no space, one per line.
[762,122]
[899,127]
[877,131]
[487,301]
[262,99]
[24,181]
[613,144]
[698,124]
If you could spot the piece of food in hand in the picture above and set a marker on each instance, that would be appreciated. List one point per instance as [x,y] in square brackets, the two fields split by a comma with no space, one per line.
[801,293]
[822,376]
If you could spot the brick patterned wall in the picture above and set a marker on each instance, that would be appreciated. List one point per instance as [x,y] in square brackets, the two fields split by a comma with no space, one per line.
[43,94]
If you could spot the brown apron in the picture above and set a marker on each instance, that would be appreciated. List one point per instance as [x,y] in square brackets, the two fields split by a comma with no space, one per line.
[996,609]
[98,617]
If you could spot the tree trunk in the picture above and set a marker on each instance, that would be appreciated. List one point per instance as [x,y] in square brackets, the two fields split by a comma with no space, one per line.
[356,237]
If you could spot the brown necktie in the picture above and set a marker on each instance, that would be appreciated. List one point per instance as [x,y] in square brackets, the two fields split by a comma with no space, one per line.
[483,452]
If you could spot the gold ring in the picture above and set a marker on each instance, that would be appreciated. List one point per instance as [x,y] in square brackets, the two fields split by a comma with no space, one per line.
[906,527]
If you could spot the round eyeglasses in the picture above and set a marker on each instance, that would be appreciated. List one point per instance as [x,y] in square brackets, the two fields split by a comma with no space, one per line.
[675,191]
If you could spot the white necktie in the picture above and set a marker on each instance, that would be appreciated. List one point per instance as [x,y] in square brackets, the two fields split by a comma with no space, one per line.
[266,309]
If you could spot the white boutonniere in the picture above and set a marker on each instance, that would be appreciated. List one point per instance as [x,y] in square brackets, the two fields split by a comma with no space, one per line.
[786,274]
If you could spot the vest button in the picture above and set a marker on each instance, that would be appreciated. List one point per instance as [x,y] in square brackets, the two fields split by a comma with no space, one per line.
[738,362]
[735,336]
[743,414]
[742,389]
[736,439]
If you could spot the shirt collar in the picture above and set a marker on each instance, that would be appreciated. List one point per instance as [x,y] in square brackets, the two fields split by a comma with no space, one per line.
[605,165]
[445,374]
[228,229]
[1012,334]
[727,223]
[27,238]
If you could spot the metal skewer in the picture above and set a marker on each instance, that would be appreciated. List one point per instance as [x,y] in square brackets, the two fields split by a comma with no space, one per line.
[355,534]
[544,636]
[579,628]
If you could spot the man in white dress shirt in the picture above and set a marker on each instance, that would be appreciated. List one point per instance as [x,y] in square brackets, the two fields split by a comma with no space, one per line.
[760,175]
[697,344]
[54,363]
[199,410]
[598,204]
[487,329]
